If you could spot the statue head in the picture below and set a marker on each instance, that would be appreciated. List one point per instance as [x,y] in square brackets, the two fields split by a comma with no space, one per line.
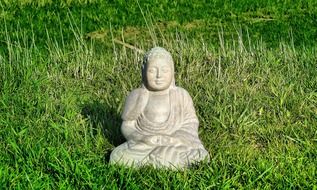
[158,69]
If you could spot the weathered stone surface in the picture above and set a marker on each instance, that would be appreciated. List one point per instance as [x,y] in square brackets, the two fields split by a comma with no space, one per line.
[159,120]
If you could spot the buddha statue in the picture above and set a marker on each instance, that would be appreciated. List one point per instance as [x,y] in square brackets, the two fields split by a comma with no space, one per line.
[159,120]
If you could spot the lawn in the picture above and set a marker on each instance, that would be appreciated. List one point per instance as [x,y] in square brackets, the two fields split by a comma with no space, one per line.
[66,68]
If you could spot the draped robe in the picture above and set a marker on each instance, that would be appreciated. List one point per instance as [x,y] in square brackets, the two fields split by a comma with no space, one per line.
[181,126]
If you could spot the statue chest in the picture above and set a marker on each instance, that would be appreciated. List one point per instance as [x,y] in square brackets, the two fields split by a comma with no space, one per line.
[157,109]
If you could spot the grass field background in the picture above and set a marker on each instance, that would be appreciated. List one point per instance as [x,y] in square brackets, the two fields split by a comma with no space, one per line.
[66,68]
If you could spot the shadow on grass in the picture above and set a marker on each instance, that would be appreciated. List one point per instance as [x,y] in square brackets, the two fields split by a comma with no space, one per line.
[102,116]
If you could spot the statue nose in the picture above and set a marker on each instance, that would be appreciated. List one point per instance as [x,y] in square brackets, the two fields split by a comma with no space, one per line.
[158,74]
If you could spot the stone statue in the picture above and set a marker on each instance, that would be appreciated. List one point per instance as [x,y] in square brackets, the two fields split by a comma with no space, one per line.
[159,120]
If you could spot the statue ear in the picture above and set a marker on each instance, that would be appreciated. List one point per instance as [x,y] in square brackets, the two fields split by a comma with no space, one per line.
[143,74]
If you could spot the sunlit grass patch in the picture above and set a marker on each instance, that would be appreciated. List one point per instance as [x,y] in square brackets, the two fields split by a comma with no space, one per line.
[62,92]
[60,112]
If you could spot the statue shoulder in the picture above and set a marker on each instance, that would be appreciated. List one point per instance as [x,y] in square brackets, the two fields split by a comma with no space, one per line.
[184,93]
[134,95]
[133,104]
[184,97]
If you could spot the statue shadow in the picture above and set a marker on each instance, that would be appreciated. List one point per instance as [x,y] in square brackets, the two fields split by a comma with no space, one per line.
[106,118]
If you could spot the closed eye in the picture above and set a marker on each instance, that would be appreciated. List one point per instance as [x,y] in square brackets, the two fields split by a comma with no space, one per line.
[151,70]
[165,70]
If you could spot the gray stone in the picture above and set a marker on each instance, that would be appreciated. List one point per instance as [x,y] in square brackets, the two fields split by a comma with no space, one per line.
[159,120]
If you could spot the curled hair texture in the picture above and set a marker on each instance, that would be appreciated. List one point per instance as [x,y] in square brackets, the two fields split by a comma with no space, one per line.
[157,52]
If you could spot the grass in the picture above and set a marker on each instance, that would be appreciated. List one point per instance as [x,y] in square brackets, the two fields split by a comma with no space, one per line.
[61,101]
[272,21]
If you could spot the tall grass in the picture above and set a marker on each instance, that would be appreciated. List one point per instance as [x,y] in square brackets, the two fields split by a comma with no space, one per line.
[60,112]
[271,20]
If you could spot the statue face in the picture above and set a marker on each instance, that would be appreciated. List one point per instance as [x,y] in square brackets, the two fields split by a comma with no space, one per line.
[159,74]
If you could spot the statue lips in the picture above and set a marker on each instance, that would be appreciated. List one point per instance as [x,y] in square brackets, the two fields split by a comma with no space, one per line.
[159,82]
